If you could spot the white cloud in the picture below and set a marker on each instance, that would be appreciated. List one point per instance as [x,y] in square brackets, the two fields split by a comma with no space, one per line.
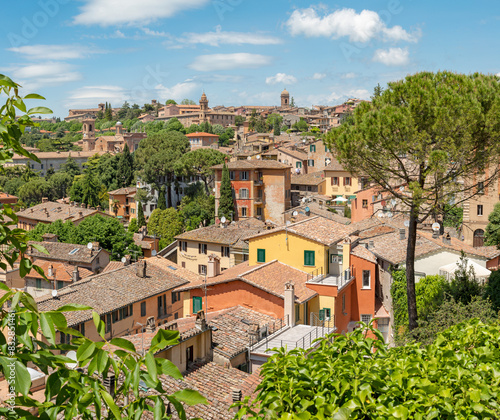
[54,52]
[281,78]
[319,76]
[131,12]
[215,62]
[335,98]
[179,91]
[33,76]
[392,56]
[358,27]
[160,34]
[92,95]
[350,75]
[219,37]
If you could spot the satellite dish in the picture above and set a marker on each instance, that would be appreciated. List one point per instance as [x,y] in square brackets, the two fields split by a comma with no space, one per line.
[389,214]
[153,252]
[304,199]
[223,219]
[89,245]
[72,355]
[401,188]
[436,226]
[257,157]
[295,213]
[307,209]
[288,223]
[393,202]
[406,223]
[214,190]
[380,215]
[54,293]
[249,158]
[123,260]
[297,170]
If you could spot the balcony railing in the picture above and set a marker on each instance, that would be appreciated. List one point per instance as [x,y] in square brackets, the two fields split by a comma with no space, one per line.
[317,277]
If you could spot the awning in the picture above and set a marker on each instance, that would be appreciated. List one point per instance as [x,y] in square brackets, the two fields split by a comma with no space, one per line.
[448,270]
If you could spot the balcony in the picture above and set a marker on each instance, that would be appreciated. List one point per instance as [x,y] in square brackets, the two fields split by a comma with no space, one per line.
[317,277]
[258,201]
[258,183]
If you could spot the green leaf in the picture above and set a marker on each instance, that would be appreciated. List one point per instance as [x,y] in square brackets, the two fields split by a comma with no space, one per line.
[122,343]
[85,350]
[168,368]
[22,378]
[99,324]
[34,96]
[111,404]
[151,365]
[73,307]
[48,327]
[39,110]
[190,397]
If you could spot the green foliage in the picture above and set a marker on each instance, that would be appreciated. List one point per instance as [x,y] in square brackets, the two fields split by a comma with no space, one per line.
[162,199]
[173,124]
[170,102]
[199,162]
[71,167]
[187,102]
[197,208]
[166,224]
[239,120]
[300,125]
[355,377]
[226,202]
[492,231]
[125,169]
[141,220]
[453,216]
[34,190]
[464,285]
[90,189]
[133,227]
[492,290]
[61,184]
[64,230]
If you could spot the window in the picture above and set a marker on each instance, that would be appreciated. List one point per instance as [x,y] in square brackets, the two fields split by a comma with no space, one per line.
[176,296]
[243,192]
[245,257]
[261,255]
[479,209]
[297,313]
[231,175]
[365,204]
[366,279]
[243,176]
[298,164]
[480,187]
[224,251]
[176,315]
[244,212]
[312,148]
[197,304]
[41,166]
[115,316]
[126,311]
[202,248]
[183,246]
[366,318]
[202,269]
[335,180]
[60,284]
[310,162]
[324,314]
[347,181]
[162,305]
[143,308]
[326,149]
[183,264]
[309,258]
[259,211]
[82,328]
[38,284]
[108,323]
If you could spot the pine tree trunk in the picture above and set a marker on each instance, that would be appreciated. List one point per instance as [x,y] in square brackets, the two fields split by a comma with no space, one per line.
[169,191]
[410,269]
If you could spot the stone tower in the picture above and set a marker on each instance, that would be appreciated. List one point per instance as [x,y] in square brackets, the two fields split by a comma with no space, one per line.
[203,108]
[88,131]
[285,98]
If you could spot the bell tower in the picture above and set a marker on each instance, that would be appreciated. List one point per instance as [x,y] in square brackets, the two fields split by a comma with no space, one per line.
[203,108]
[88,130]
[285,98]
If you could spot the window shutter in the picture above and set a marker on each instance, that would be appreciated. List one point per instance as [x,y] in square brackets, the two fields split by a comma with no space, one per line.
[321,314]
[331,180]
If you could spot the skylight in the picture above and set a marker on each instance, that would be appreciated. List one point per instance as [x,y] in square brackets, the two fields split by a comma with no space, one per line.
[73,251]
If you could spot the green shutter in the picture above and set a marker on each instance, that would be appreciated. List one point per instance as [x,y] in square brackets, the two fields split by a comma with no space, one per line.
[261,255]
[197,304]
[321,314]
[309,258]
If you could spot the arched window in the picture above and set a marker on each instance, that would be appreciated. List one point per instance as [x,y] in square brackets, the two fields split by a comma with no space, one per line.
[478,238]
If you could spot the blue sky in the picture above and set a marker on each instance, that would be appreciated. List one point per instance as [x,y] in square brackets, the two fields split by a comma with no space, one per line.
[240,52]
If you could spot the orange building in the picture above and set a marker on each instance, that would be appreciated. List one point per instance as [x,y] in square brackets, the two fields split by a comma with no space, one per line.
[197,140]
[262,188]
[122,203]
[7,198]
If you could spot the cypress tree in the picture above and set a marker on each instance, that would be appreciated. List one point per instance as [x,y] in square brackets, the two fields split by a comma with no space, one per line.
[90,193]
[226,203]
[141,220]
[125,169]
[162,200]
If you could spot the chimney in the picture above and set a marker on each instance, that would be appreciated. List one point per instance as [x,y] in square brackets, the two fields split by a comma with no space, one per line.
[99,208]
[150,324]
[45,199]
[253,333]
[51,270]
[289,304]
[236,396]
[447,239]
[141,268]
[213,268]
[201,322]
[435,234]
[402,234]
[371,244]
[109,384]
[95,247]
[76,275]
[84,206]
[49,237]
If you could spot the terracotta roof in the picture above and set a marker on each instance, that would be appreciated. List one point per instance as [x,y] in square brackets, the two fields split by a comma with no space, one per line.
[61,271]
[113,265]
[62,155]
[313,178]
[361,252]
[51,211]
[123,191]
[109,291]
[254,164]
[214,382]
[270,277]
[319,229]
[297,154]
[487,252]
[229,235]
[63,251]
[335,165]
[201,134]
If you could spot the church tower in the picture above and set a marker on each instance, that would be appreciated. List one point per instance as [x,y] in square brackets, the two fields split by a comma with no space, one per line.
[88,130]
[285,98]
[203,108]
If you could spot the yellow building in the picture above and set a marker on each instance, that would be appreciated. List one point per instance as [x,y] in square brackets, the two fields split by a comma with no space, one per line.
[339,182]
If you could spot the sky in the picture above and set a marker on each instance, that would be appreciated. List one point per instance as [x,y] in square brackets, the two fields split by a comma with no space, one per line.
[78,53]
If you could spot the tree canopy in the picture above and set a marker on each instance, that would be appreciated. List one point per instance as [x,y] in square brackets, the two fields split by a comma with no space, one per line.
[419,140]
[226,201]
[199,162]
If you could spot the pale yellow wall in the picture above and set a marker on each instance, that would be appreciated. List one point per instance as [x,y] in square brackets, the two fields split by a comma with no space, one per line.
[289,251]
[192,258]
[340,189]
[186,304]
[327,302]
